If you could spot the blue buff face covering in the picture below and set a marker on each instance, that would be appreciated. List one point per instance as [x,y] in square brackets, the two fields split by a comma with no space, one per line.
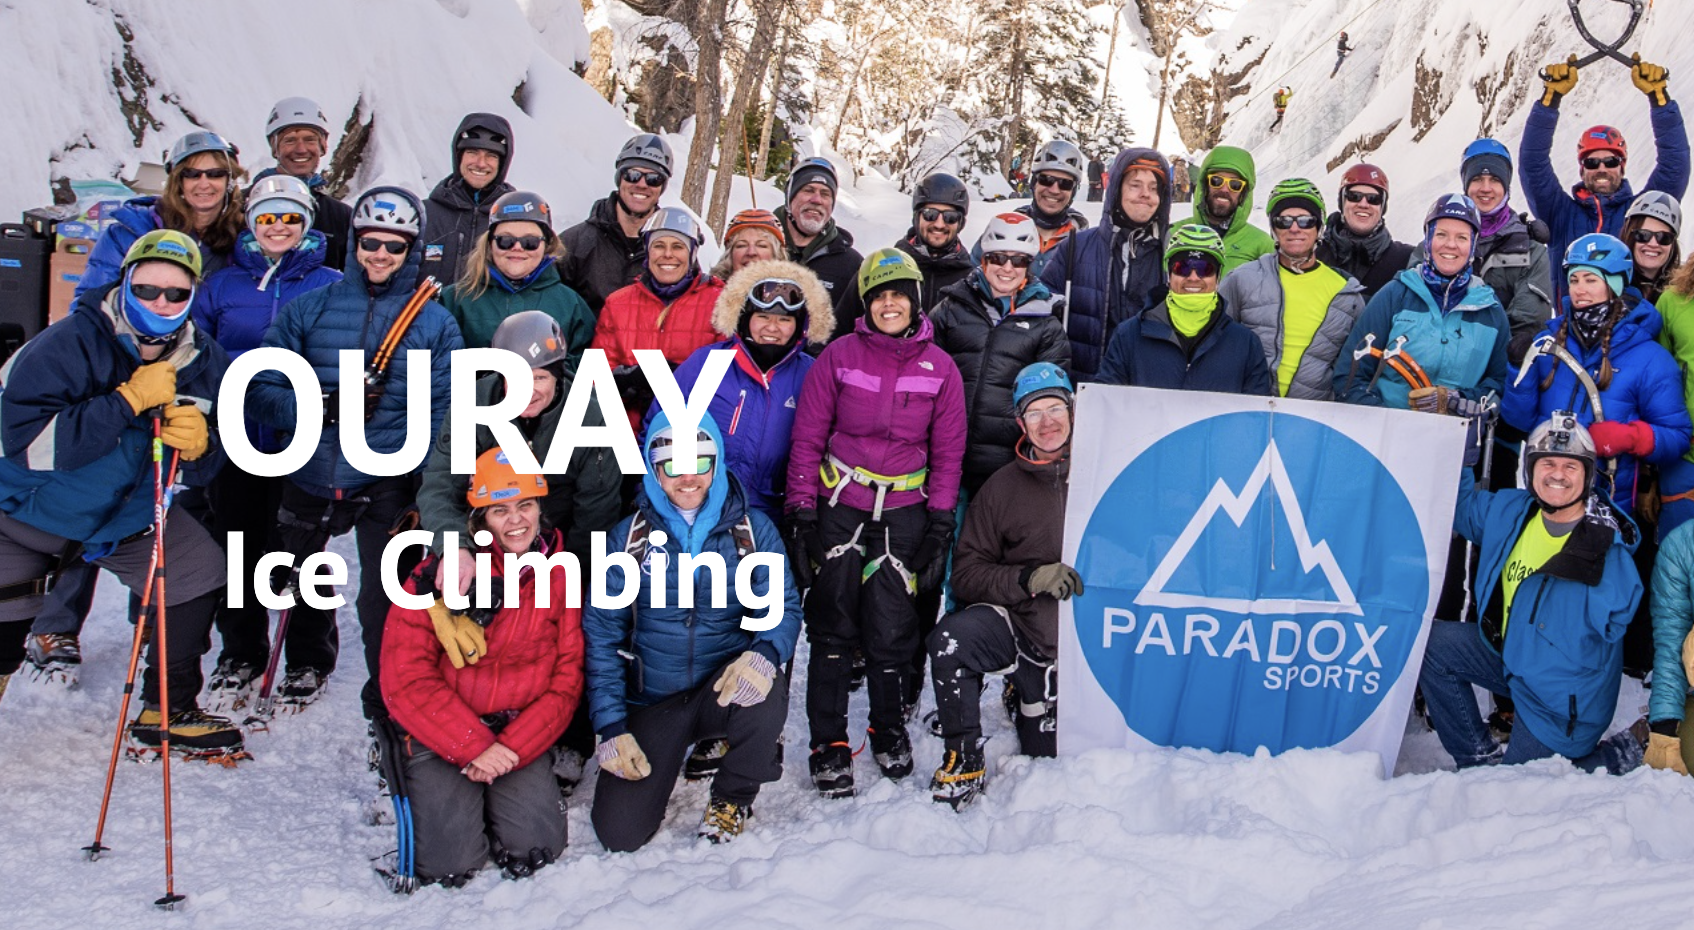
[145,321]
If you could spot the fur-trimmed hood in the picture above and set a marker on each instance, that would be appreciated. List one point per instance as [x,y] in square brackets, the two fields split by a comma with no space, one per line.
[820,316]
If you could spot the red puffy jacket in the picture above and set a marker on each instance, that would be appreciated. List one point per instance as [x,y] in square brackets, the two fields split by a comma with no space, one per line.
[533,668]
[633,318]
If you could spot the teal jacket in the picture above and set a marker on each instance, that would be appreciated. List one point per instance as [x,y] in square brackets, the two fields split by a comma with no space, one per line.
[1673,617]
[1463,349]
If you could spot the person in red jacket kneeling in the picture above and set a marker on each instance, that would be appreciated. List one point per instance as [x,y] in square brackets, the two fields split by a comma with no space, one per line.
[481,704]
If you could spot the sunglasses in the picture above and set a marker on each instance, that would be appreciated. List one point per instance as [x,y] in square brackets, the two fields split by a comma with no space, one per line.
[1193,265]
[1285,221]
[286,219]
[370,244]
[1371,197]
[1610,161]
[195,174]
[150,292]
[1235,185]
[1662,237]
[777,294]
[527,243]
[637,176]
[703,464]
[950,217]
[1055,180]
[1015,259]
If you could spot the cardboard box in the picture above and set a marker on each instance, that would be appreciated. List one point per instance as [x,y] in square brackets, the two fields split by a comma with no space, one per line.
[69,261]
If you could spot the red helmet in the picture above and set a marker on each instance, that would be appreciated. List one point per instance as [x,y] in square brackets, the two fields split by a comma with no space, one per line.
[1601,139]
[1368,175]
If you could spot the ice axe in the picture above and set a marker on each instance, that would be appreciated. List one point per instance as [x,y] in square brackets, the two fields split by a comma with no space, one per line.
[1388,357]
[1367,348]
[1547,345]
[1604,49]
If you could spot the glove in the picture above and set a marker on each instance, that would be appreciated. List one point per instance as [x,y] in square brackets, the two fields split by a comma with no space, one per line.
[185,429]
[1612,438]
[1688,656]
[622,756]
[1558,79]
[1428,400]
[930,562]
[1055,579]
[804,544]
[632,388]
[745,681]
[1650,80]
[1665,753]
[151,386]
[459,635]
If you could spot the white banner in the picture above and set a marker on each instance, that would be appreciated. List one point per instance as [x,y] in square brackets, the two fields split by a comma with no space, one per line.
[1259,572]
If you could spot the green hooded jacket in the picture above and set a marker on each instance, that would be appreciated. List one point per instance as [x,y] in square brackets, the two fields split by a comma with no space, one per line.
[1242,241]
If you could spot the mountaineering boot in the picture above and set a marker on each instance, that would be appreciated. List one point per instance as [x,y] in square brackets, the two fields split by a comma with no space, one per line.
[54,657]
[302,686]
[193,733]
[959,780]
[231,686]
[4,680]
[832,770]
[893,752]
[705,760]
[724,820]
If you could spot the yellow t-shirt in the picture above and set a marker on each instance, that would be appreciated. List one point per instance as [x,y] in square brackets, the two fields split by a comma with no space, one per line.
[1305,302]
[1534,547]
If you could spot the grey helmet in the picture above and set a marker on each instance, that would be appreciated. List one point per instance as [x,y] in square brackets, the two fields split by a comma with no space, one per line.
[1060,157]
[296,111]
[384,209]
[197,142]
[644,149]
[1561,434]
[533,335]
[1660,206]
[674,220]
[274,187]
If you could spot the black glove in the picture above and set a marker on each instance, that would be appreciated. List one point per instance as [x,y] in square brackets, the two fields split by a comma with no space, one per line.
[1517,347]
[805,545]
[930,562]
[1537,229]
[633,389]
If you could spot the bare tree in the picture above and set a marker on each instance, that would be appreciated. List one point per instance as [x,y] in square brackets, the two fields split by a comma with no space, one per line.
[731,139]
[708,33]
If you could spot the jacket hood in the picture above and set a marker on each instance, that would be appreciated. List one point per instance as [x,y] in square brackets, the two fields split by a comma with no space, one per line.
[683,535]
[406,279]
[1114,189]
[818,318]
[492,123]
[1478,295]
[1228,158]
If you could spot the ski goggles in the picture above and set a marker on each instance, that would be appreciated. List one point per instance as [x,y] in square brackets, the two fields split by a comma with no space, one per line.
[1015,259]
[1055,180]
[950,217]
[1216,181]
[1304,221]
[1660,236]
[150,292]
[286,219]
[1593,162]
[527,243]
[1192,264]
[195,174]
[777,295]
[702,465]
[1373,198]
[637,176]
[373,244]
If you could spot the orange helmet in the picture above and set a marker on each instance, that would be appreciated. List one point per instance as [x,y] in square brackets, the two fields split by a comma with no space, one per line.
[495,481]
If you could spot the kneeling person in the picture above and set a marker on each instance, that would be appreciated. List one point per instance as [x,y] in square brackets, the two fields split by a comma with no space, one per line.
[663,678]
[1007,566]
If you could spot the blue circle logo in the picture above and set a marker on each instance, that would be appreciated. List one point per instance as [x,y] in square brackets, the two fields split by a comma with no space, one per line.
[1254,579]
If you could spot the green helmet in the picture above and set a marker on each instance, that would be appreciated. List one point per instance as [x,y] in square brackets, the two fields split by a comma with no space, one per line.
[885,265]
[165,245]
[1295,192]
[1195,237]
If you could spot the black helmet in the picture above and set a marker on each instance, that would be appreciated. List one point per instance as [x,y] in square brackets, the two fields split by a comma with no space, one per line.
[521,205]
[533,335]
[941,187]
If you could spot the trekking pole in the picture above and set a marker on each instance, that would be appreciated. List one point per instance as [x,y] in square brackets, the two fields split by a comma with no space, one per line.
[93,850]
[171,898]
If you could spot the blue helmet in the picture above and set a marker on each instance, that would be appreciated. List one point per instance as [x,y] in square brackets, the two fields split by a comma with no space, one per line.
[1453,207]
[1486,156]
[1604,255]
[1487,147]
[1042,379]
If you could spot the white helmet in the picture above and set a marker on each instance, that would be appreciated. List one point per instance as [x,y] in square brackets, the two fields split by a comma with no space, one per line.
[1011,232]
[265,194]
[674,221]
[388,209]
[1060,157]
[296,111]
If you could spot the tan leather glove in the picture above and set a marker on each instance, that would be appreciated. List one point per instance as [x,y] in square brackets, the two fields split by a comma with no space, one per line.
[1665,753]
[185,429]
[1428,400]
[1558,79]
[151,386]
[746,681]
[1650,79]
[622,756]
[1688,656]
[459,635]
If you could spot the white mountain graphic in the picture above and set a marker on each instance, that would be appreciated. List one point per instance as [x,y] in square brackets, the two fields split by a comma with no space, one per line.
[1237,506]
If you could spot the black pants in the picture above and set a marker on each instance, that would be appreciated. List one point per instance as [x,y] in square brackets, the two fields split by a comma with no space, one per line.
[458,824]
[306,523]
[862,598]
[980,640]
[627,814]
[246,504]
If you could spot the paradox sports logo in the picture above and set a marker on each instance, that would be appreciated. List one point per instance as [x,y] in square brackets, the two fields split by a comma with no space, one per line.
[1253,580]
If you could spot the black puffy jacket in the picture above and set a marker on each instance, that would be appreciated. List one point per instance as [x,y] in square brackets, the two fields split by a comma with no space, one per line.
[833,259]
[456,214]
[599,258]
[991,346]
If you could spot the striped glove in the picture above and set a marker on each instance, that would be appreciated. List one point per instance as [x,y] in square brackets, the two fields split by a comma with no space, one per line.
[746,681]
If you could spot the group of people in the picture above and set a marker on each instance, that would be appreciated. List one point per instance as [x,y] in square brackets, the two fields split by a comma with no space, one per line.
[896,425]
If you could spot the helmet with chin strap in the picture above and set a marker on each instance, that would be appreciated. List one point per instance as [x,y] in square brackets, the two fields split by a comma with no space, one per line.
[1559,435]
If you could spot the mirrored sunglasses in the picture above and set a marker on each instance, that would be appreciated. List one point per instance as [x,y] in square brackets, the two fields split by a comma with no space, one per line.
[638,176]
[287,219]
[1235,185]
[1191,264]
[703,464]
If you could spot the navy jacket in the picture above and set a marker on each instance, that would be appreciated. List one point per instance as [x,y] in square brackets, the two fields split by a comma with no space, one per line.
[1146,352]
